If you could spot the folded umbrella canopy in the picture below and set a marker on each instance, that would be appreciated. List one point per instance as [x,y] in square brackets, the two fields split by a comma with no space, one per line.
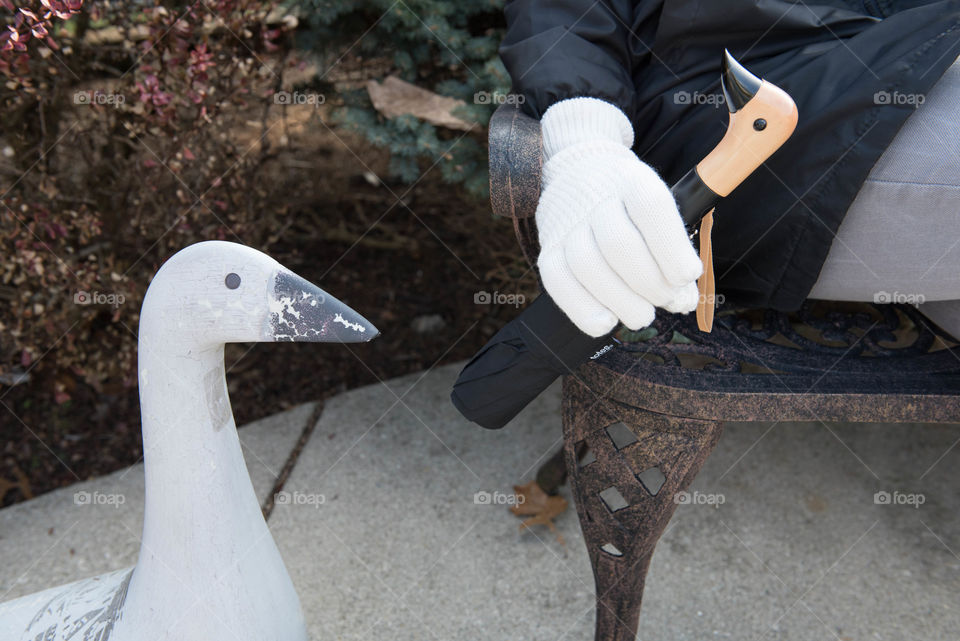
[519,362]
[541,344]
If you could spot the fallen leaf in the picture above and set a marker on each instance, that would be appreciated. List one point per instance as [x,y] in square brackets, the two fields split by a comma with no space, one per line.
[534,502]
[394,97]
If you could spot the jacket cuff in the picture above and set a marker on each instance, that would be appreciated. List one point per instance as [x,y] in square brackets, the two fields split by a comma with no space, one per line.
[578,120]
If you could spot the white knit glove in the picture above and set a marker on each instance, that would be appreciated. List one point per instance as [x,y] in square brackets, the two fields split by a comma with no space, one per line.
[613,244]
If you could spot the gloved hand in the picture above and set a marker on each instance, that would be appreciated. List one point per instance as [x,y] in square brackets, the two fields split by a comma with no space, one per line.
[613,244]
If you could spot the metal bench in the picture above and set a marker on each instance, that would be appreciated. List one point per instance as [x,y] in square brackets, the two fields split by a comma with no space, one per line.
[640,421]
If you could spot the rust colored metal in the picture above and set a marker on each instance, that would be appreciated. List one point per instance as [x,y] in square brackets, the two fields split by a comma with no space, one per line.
[515,163]
[672,391]
[626,491]
[640,421]
[853,362]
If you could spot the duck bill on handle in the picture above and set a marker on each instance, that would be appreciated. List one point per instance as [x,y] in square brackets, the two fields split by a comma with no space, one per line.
[762,118]
[738,84]
[302,312]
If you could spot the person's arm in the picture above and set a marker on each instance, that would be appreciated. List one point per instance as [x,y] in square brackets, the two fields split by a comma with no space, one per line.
[558,49]
[613,245]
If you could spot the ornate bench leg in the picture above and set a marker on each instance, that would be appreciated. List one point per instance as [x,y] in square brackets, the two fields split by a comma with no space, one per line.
[624,489]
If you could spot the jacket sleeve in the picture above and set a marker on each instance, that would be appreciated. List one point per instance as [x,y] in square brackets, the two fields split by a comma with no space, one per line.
[558,49]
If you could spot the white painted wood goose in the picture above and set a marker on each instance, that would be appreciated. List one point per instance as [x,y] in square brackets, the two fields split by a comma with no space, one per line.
[208,568]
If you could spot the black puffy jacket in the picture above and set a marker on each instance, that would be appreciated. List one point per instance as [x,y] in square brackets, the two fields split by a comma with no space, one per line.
[854,67]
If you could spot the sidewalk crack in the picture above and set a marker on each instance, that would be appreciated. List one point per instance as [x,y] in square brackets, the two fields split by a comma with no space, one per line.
[267,507]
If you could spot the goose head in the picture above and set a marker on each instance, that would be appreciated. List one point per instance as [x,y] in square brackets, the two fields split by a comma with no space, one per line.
[217,292]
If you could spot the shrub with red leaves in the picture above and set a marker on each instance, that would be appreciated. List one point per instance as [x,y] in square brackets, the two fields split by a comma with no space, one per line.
[126,136]
[33,20]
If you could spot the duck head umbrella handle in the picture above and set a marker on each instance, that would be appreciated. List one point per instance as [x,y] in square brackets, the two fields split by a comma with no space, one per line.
[540,344]
[762,118]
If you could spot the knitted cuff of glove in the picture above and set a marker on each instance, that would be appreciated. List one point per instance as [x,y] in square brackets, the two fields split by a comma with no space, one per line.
[578,120]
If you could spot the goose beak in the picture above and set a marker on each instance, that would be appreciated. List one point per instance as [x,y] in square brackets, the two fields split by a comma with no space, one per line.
[302,312]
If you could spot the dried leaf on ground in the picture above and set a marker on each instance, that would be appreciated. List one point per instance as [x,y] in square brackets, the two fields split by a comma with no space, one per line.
[394,97]
[540,506]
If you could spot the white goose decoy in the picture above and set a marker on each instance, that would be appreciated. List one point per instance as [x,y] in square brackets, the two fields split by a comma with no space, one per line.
[208,569]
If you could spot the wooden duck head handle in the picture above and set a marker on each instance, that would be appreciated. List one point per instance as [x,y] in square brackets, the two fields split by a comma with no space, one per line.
[762,118]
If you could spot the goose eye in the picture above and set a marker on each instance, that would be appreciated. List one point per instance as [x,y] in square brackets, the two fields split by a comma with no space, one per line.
[232,281]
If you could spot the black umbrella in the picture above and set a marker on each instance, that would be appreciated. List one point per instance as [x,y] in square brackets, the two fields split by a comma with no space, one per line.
[541,344]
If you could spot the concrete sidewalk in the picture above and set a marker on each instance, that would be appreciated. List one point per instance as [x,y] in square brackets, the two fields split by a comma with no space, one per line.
[382,536]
